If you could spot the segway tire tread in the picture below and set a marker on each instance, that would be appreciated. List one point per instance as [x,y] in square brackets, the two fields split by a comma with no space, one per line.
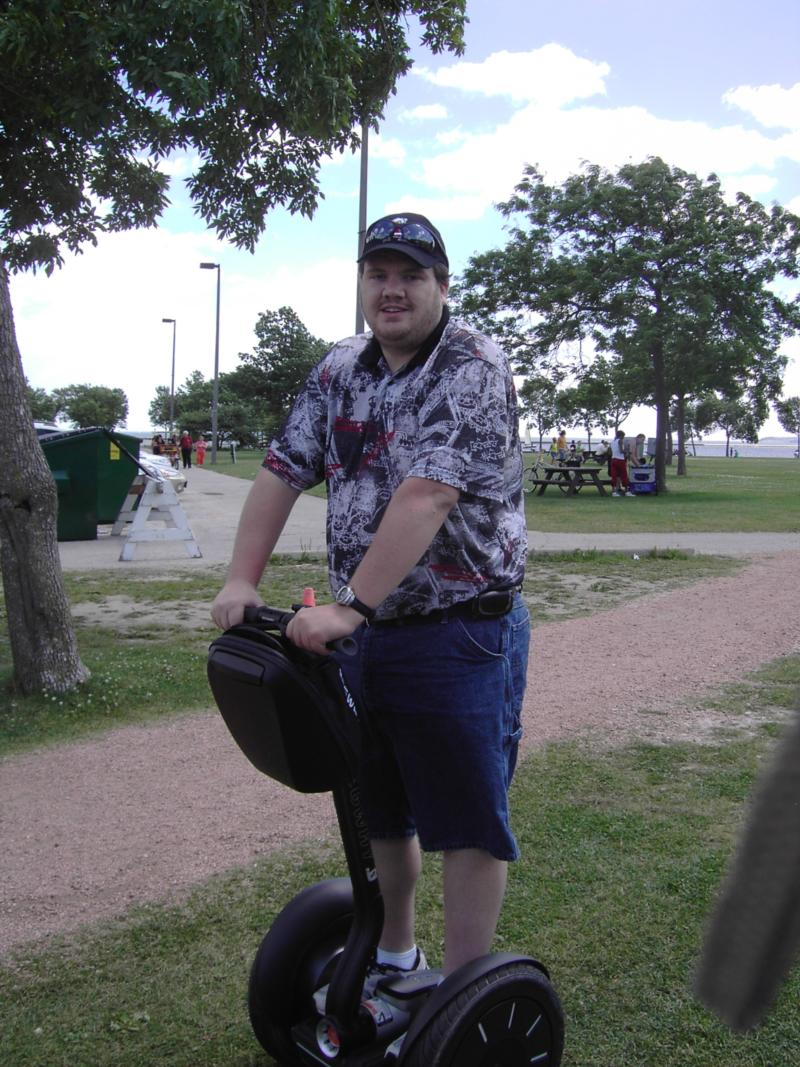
[441,1042]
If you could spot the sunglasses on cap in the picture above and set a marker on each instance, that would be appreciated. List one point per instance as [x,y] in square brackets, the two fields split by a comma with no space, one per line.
[410,233]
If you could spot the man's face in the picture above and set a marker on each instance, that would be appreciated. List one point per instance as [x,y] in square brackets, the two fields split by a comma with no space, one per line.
[401,301]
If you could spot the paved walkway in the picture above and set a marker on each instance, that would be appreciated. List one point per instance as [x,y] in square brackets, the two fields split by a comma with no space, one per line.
[214,501]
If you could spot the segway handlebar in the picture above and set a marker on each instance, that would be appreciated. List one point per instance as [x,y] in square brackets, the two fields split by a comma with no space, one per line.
[274,619]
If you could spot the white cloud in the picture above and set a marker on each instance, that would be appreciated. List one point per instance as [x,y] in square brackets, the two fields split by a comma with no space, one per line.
[550,75]
[456,136]
[423,113]
[558,141]
[771,105]
[98,319]
[388,148]
[451,208]
[753,185]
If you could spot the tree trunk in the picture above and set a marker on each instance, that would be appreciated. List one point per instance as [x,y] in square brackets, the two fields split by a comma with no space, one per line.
[662,414]
[680,412]
[40,627]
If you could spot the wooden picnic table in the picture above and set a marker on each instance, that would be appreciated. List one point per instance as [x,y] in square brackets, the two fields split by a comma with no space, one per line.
[571,480]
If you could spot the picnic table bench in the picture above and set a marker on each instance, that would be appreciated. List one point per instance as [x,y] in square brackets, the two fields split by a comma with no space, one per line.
[570,480]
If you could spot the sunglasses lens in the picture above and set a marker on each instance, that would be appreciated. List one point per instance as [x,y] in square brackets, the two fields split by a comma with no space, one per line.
[419,235]
[381,231]
[410,232]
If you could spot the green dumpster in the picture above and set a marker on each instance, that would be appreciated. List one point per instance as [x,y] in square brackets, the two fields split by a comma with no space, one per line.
[93,470]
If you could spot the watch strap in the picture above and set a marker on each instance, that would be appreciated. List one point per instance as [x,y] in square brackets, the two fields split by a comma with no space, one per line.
[350,600]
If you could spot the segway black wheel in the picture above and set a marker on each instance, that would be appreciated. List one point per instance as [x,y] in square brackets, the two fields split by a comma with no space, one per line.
[508,1018]
[294,959]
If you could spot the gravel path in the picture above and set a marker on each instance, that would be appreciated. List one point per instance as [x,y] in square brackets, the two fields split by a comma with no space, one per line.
[144,813]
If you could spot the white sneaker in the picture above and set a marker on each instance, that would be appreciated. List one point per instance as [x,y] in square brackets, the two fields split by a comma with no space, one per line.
[615,493]
[629,493]
[376,971]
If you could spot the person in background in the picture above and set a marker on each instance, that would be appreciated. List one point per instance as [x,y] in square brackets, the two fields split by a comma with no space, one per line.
[157,445]
[562,445]
[619,466]
[200,450]
[186,449]
[553,451]
[637,456]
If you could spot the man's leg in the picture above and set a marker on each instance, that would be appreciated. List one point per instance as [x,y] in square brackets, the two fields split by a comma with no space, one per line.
[398,863]
[474,887]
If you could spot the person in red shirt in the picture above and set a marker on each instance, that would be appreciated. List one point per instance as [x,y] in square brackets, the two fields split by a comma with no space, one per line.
[186,449]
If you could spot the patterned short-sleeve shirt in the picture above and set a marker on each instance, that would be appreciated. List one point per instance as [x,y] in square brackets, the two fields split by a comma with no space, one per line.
[450,415]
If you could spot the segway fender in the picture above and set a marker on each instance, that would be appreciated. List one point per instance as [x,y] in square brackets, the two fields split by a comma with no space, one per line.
[455,984]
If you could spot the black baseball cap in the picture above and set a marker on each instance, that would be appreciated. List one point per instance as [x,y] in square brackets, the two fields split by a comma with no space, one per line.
[411,235]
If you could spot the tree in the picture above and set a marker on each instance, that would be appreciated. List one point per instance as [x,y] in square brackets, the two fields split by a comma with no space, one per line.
[282,360]
[538,404]
[651,264]
[733,415]
[788,412]
[40,629]
[92,405]
[94,96]
[577,407]
[43,405]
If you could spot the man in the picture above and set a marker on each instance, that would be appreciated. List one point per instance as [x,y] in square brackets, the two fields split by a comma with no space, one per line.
[415,430]
[637,456]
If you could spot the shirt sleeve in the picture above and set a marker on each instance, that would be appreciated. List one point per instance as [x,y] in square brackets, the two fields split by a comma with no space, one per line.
[297,454]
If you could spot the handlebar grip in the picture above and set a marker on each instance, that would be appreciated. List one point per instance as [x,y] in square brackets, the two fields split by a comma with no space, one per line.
[346,646]
[279,620]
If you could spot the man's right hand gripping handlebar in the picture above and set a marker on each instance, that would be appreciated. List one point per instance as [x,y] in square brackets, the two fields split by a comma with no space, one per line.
[322,630]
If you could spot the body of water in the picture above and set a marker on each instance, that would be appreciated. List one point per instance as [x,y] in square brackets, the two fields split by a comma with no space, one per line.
[766,450]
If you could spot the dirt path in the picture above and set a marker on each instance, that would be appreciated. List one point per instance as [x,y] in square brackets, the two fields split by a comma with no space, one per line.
[144,813]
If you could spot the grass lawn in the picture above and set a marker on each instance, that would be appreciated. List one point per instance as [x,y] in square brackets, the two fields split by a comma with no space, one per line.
[145,637]
[743,495]
[623,851]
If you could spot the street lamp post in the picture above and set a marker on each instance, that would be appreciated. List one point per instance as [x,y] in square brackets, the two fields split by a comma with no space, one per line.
[172,379]
[215,388]
[362,215]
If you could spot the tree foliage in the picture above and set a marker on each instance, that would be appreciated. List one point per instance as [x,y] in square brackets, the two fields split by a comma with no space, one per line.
[652,265]
[43,405]
[733,415]
[92,405]
[788,412]
[93,96]
[282,359]
[255,398]
[538,404]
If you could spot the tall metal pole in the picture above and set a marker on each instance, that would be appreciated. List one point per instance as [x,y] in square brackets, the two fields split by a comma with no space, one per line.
[215,390]
[362,214]
[172,379]
[215,387]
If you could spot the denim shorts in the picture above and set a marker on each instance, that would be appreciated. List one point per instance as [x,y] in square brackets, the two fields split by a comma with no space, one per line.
[441,705]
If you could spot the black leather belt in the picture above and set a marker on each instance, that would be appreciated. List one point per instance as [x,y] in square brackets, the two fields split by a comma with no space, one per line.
[492,604]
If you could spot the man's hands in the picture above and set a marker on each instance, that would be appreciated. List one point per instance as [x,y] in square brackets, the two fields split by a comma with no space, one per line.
[312,628]
[228,607]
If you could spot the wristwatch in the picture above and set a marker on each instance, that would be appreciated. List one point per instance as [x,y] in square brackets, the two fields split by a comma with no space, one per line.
[348,599]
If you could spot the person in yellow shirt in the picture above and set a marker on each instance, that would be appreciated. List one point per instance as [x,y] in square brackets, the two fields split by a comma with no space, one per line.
[561,445]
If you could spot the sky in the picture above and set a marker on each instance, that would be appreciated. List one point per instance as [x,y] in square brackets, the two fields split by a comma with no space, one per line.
[708,85]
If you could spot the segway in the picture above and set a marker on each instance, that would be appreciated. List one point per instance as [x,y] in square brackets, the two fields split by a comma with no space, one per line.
[293,718]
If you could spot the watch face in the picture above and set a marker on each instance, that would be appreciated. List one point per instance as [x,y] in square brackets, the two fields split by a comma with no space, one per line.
[345,595]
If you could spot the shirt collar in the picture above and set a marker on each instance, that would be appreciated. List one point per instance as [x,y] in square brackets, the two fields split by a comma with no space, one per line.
[372,353]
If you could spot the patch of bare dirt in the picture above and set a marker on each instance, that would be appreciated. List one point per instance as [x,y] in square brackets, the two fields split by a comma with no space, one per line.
[146,812]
